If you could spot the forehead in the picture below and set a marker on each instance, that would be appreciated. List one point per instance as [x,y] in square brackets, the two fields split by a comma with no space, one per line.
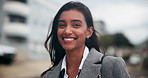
[72,14]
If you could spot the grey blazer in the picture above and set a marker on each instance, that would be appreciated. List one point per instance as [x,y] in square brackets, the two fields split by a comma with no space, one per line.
[111,67]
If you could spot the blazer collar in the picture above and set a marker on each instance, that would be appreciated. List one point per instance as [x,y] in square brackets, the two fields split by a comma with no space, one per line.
[90,66]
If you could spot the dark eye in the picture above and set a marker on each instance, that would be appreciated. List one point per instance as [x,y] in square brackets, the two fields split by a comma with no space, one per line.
[60,25]
[76,25]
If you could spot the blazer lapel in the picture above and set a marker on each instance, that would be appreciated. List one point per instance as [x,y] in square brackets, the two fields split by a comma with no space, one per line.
[54,73]
[91,68]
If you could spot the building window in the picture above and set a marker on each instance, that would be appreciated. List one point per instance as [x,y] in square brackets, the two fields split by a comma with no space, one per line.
[23,1]
[16,39]
[17,18]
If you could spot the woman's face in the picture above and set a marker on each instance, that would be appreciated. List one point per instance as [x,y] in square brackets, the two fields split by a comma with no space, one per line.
[72,30]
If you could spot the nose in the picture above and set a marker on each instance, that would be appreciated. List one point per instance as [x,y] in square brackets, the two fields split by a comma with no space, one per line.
[68,30]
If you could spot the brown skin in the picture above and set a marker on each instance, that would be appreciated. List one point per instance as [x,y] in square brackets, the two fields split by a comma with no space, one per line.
[72,32]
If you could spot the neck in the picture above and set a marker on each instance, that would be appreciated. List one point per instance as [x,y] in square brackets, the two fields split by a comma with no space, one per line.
[73,58]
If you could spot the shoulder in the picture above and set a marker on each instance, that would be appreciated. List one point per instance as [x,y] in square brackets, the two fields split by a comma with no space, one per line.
[52,72]
[115,67]
[46,73]
[111,60]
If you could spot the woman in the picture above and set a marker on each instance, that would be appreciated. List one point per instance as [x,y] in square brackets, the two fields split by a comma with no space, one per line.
[74,47]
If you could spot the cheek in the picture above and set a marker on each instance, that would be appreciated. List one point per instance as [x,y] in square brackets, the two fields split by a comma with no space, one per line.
[82,35]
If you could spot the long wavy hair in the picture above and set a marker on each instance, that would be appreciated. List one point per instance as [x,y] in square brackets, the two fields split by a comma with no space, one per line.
[52,44]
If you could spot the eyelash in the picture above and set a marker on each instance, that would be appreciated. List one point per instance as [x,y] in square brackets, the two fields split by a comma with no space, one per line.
[64,25]
[76,25]
[61,25]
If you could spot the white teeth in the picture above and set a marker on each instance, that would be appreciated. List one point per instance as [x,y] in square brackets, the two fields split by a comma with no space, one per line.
[68,39]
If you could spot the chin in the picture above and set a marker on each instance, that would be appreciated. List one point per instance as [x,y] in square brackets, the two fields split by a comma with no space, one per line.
[68,48]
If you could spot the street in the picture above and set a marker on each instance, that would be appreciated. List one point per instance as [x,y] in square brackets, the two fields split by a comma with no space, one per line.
[23,67]
[136,71]
[27,68]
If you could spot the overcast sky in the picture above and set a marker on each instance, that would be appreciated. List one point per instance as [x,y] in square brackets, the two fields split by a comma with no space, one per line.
[127,16]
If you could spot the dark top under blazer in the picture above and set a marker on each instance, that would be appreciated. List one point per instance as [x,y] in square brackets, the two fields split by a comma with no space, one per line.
[111,67]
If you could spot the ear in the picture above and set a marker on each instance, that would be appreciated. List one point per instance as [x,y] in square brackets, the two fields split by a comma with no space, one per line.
[90,31]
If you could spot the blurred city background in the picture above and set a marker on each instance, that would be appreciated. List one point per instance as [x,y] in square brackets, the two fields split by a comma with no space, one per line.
[24,25]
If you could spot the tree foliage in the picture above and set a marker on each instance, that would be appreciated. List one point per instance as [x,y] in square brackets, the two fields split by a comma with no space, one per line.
[117,40]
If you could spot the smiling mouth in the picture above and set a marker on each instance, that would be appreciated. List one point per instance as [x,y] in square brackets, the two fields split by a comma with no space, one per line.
[69,39]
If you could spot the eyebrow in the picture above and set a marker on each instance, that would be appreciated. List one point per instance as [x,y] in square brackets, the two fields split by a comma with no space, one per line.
[71,21]
[76,21]
[61,21]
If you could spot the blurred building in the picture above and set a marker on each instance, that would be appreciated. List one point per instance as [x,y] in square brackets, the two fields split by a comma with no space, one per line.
[143,48]
[1,16]
[42,13]
[15,30]
[100,27]
[24,23]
